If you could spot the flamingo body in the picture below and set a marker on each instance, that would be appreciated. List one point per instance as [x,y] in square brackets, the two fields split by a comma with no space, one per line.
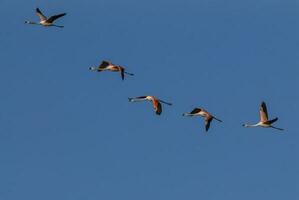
[264,120]
[108,66]
[44,21]
[203,113]
[155,102]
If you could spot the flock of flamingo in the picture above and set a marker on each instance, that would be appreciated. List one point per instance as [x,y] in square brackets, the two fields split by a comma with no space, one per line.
[108,66]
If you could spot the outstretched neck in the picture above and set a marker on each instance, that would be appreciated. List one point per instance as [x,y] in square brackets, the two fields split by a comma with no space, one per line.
[188,114]
[93,68]
[250,125]
[29,22]
[136,99]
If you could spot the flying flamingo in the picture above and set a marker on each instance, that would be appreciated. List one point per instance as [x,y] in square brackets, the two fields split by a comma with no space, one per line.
[44,21]
[203,113]
[264,122]
[108,66]
[156,102]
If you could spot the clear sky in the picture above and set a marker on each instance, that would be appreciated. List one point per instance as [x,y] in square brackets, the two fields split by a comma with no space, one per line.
[69,134]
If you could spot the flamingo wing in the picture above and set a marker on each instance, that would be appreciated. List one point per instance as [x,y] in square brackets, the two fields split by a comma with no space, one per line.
[122,73]
[141,97]
[263,112]
[195,110]
[41,16]
[157,107]
[54,17]
[104,64]
[273,120]
[208,122]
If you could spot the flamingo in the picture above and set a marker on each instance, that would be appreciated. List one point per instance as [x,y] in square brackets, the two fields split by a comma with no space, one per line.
[264,122]
[156,102]
[106,65]
[44,21]
[201,112]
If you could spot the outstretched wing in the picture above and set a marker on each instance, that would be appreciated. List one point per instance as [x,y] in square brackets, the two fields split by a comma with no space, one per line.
[273,120]
[40,15]
[263,112]
[195,110]
[54,17]
[104,64]
[157,107]
[122,73]
[208,122]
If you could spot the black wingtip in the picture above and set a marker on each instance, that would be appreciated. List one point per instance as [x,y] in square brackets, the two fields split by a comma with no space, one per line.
[158,113]
[219,120]
[63,14]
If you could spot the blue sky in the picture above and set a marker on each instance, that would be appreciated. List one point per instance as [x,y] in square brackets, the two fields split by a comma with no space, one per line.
[70,134]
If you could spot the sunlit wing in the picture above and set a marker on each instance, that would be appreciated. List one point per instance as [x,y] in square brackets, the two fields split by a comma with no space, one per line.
[40,15]
[263,112]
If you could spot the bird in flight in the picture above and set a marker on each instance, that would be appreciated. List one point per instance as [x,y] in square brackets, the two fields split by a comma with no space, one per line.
[156,102]
[44,21]
[203,113]
[264,121]
[108,66]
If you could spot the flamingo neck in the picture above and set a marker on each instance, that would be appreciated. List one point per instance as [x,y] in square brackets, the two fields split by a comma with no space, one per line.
[29,22]
[251,125]
[189,114]
[136,100]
